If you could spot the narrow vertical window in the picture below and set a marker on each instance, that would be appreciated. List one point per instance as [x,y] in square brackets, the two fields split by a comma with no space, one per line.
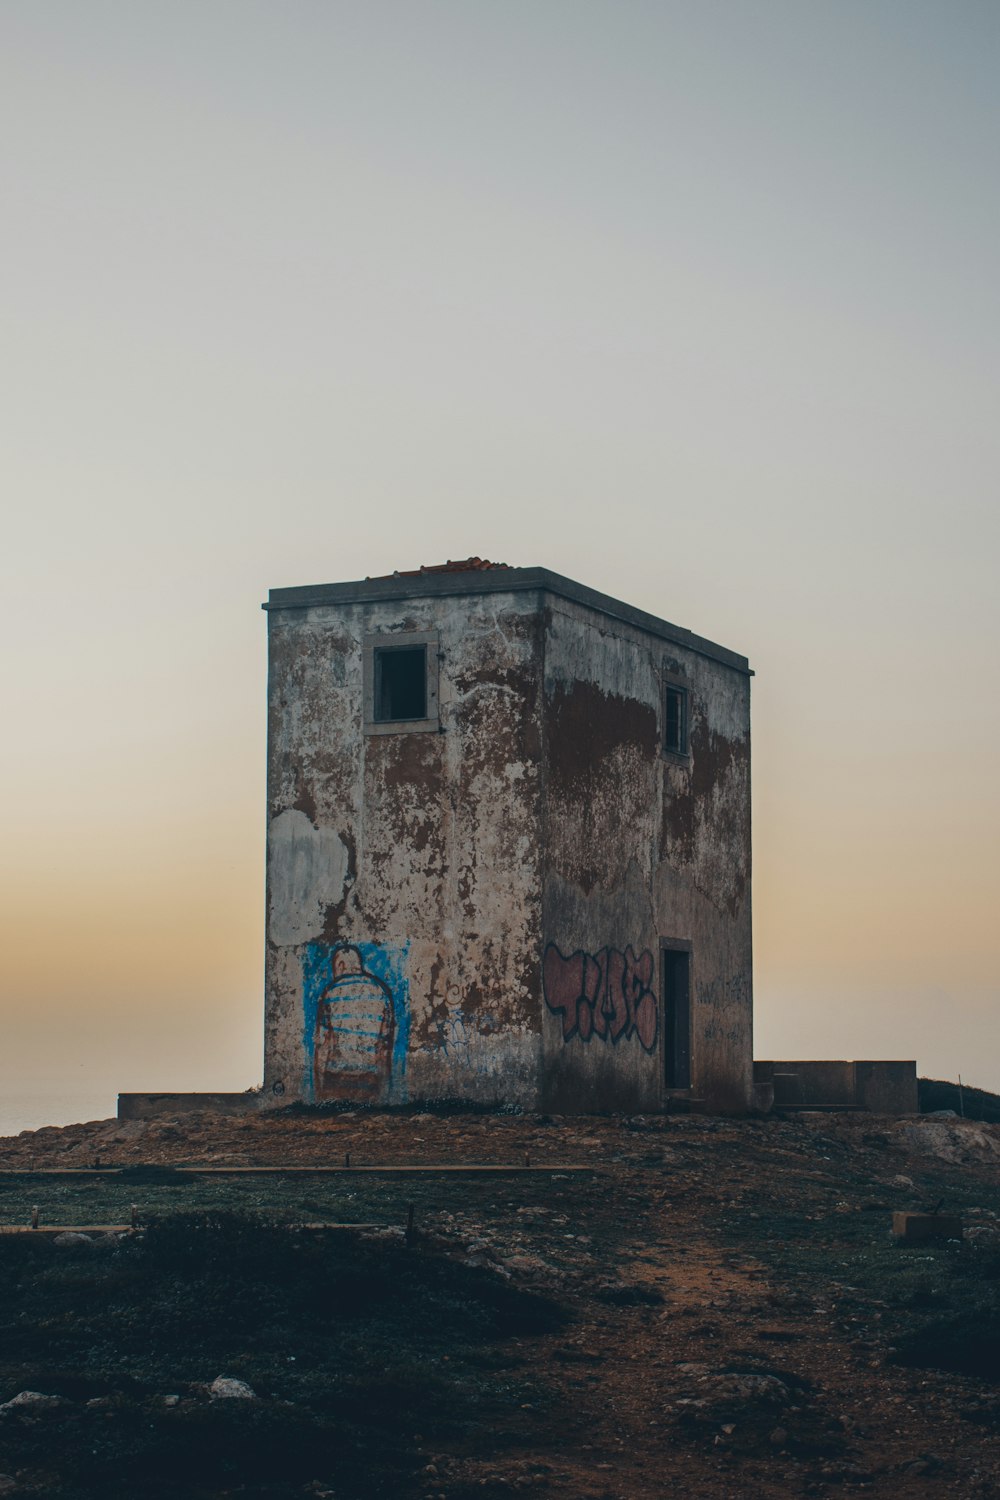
[675,720]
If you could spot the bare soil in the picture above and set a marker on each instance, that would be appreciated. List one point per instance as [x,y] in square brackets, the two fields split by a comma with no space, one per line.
[715,1307]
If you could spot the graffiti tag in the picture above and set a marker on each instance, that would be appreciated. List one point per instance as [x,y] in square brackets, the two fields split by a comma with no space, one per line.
[607,994]
[732,991]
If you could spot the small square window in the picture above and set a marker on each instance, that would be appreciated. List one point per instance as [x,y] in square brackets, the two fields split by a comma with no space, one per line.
[401,682]
[675,719]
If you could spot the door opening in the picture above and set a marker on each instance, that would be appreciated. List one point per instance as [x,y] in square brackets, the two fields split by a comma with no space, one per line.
[675,966]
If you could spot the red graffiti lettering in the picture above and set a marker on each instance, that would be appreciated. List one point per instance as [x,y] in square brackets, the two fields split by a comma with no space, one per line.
[607,994]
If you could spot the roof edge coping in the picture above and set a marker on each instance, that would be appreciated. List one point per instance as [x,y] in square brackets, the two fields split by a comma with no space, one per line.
[504,580]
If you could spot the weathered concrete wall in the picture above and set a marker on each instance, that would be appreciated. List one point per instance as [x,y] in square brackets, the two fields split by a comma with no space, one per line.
[404,872]
[153,1106]
[642,847]
[821,1084]
[887,1087]
[883,1086]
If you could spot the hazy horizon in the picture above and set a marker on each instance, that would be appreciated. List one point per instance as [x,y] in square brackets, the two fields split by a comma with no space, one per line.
[695,304]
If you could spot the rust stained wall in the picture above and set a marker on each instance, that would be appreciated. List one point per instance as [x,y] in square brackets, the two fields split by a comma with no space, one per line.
[641,847]
[482,908]
[404,878]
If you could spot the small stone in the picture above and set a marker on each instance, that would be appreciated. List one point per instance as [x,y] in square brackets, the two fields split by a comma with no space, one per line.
[171,1400]
[778,1438]
[224,1388]
[8,1484]
[32,1401]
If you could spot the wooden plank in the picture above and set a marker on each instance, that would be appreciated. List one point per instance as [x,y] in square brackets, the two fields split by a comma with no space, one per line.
[52,1229]
[132,1172]
[49,1230]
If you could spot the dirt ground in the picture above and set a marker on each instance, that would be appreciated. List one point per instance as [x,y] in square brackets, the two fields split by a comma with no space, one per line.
[730,1315]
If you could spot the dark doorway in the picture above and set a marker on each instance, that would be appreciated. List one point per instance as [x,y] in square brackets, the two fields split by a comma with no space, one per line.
[675,966]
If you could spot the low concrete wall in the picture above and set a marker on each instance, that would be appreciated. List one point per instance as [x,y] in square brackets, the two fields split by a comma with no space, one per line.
[887,1088]
[152,1106]
[884,1087]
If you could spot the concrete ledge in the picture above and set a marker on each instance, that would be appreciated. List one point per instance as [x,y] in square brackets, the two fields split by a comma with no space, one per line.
[498,581]
[152,1106]
[917,1229]
[886,1087]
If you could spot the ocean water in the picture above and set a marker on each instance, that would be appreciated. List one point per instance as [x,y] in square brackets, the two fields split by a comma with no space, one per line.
[31,1111]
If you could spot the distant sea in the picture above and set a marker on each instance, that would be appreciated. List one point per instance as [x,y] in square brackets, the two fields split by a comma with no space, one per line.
[31,1111]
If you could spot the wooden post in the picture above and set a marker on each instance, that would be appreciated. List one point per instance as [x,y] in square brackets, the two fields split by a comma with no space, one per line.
[34,1216]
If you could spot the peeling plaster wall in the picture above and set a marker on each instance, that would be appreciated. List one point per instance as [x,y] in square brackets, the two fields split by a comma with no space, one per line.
[642,847]
[449,896]
[404,869]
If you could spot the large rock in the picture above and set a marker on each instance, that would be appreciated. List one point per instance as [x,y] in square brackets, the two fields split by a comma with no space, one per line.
[28,1403]
[224,1388]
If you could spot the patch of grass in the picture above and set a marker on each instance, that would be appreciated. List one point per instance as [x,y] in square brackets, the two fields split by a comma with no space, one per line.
[353,1347]
[973,1104]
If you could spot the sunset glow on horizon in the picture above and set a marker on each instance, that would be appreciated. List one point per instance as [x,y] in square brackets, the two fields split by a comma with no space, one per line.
[696,305]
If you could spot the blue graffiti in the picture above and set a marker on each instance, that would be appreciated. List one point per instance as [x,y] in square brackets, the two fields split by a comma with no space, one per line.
[356,1021]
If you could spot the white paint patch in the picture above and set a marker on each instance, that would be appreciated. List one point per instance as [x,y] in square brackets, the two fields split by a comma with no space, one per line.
[307,869]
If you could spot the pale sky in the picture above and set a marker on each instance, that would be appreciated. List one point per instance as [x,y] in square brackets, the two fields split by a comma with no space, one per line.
[696,303]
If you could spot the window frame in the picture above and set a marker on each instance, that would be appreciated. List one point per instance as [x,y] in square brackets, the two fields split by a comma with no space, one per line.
[675,682]
[401,640]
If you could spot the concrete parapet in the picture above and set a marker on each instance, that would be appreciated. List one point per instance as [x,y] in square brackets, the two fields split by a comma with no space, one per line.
[154,1106]
[884,1087]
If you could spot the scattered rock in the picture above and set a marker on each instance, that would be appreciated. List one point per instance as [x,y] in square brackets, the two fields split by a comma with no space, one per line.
[742,1387]
[531,1265]
[953,1140]
[778,1438]
[30,1402]
[72,1237]
[224,1388]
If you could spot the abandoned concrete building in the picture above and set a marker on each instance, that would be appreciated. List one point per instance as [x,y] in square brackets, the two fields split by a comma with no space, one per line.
[508,847]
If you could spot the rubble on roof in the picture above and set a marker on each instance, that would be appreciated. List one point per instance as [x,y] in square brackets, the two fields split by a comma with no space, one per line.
[462,565]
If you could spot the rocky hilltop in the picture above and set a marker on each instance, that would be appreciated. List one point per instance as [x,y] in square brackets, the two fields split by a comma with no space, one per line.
[647,1306]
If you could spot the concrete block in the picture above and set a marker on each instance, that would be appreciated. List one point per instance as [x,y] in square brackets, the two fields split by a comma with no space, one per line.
[883,1086]
[917,1229]
[153,1106]
[886,1087]
[763,1095]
